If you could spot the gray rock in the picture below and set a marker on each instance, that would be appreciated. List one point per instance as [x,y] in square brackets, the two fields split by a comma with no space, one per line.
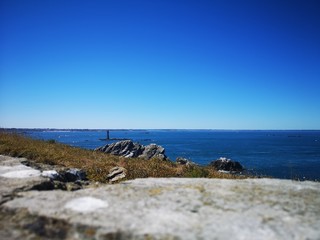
[116,173]
[169,208]
[226,164]
[52,174]
[153,151]
[16,177]
[130,149]
[125,148]
[184,161]
[72,175]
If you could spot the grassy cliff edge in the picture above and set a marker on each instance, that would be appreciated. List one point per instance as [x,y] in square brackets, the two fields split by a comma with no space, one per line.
[97,164]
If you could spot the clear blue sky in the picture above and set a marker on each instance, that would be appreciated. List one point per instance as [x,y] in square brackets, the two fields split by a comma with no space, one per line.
[160,64]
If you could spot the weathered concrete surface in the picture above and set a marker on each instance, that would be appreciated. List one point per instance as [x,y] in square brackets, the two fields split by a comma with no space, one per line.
[168,208]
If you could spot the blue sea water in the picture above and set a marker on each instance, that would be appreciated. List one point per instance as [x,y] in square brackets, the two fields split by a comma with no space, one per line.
[280,154]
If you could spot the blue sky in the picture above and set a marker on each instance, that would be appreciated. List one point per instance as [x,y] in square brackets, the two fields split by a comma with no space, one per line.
[160,64]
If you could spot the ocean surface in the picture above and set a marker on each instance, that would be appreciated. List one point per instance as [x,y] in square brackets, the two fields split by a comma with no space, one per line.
[279,154]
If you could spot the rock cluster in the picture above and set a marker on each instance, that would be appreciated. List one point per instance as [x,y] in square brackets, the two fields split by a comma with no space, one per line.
[225,164]
[130,149]
[185,161]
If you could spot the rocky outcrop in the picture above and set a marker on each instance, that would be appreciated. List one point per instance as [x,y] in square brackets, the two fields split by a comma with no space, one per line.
[130,149]
[185,161]
[153,151]
[116,173]
[72,175]
[15,177]
[225,164]
[125,148]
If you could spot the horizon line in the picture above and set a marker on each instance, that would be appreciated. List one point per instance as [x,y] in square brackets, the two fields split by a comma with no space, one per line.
[169,129]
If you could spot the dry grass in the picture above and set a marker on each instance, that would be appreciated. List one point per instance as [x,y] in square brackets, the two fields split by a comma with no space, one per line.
[97,164]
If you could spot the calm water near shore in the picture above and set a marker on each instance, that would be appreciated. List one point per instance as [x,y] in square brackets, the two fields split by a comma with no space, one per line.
[280,154]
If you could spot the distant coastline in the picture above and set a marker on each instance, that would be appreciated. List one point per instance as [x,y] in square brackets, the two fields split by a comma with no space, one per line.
[156,129]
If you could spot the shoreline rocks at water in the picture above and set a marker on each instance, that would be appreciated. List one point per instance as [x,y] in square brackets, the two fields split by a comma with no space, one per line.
[130,149]
[226,164]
